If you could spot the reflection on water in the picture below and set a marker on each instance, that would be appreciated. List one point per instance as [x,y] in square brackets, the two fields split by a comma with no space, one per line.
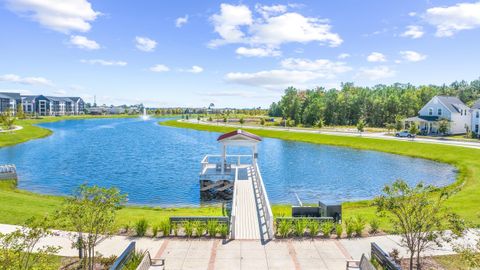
[159,165]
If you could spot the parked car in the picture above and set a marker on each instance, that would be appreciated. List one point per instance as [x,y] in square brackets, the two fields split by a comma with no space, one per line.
[404,133]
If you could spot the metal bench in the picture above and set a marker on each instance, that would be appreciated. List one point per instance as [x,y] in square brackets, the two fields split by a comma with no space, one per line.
[362,264]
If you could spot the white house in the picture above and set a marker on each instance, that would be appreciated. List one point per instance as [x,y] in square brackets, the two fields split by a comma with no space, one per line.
[452,109]
[476,117]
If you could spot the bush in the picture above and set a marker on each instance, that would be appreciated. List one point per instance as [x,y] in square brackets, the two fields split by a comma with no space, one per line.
[199,228]
[349,227]
[299,227]
[223,230]
[359,225]
[155,230]
[374,224]
[212,228]
[175,229]
[188,227]
[284,228]
[339,230]
[166,228]
[327,228]
[141,227]
[313,228]
[127,227]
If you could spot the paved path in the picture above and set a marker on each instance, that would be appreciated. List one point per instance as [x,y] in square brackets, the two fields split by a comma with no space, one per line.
[374,135]
[245,254]
[246,216]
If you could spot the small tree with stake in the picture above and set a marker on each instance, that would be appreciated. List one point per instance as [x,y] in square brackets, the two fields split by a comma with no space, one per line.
[91,211]
[361,125]
[416,213]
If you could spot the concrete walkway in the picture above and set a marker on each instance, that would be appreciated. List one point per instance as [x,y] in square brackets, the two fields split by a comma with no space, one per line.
[373,135]
[212,254]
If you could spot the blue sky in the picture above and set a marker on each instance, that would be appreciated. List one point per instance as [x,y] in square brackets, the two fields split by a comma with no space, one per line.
[235,54]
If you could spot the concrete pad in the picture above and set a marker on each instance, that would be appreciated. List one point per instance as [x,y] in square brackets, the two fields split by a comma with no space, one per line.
[227,264]
[171,264]
[277,253]
[198,253]
[229,254]
[307,253]
[312,264]
[253,254]
[195,264]
[175,253]
[251,245]
[257,264]
[334,264]
[280,263]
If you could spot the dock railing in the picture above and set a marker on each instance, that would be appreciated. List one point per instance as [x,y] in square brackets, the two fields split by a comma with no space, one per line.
[267,209]
[234,207]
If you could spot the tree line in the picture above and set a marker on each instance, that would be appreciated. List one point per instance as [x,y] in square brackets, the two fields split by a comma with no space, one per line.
[377,106]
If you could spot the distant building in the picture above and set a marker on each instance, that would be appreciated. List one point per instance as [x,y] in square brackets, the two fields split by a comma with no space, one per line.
[449,108]
[9,102]
[475,112]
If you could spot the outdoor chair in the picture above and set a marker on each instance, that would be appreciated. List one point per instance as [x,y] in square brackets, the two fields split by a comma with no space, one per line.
[362,264]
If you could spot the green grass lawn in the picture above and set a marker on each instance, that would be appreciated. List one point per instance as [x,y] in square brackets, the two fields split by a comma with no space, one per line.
[465,201]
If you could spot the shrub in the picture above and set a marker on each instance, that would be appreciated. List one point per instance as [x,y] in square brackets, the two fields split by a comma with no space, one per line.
[126,227]
[223,230]
[299,227]
[327,228]
[212,227]
[199,228]
[313,228]
[141,227]
[155,230]
[359,225]
[349,227]
[339,230]
[284,228]
[175,229]
[188,227]
[166,228]
[374,224]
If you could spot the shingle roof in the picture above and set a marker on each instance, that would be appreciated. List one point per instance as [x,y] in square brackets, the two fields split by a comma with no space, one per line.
[239,132]
[454,104]
[60,99]
[15,96]
[476,106]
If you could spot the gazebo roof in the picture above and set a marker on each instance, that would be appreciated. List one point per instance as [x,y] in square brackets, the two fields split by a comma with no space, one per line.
[239,135]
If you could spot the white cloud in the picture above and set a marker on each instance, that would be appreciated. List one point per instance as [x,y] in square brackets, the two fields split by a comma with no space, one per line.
[181,21]
[343,56]
[376,73]
[412,14]
[194,69]
[324,67]
[236,24]
[25,80]
[61,16]
[104,62]
[412,56]
[267,11]
[376,57]
[413,31]
[452,19]
[257,52]
[228,22]
[60,92]
[272,79]
[145,44]
[159,68]
[294,71]
[84,43]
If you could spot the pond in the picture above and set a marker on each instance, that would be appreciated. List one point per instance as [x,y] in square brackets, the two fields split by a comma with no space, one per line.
[158,165]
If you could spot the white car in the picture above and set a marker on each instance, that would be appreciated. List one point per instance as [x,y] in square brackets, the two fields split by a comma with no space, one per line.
[404,134]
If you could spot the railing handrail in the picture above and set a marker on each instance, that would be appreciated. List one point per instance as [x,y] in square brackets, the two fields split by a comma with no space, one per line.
[124,257]
[234,206]
[267,209]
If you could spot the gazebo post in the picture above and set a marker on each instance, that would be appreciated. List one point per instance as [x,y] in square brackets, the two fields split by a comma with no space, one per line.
[224,157]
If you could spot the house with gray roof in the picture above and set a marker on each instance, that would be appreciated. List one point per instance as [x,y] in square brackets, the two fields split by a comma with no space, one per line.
[51,105]
[452,109]
[475,111]
[9,102]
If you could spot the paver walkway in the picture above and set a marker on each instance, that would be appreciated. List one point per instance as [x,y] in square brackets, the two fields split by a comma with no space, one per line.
[244,254]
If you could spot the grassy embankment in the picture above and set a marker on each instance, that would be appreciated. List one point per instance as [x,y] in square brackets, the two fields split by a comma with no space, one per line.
[17,205]
[464,202]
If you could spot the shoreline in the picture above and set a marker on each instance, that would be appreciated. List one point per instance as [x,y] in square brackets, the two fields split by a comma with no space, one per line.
[464,178]
[466,187]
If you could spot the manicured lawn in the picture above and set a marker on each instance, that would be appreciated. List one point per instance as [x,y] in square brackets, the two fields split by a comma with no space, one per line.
[465,201]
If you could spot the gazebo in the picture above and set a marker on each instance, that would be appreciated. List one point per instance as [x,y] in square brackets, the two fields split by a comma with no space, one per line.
[238,138]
